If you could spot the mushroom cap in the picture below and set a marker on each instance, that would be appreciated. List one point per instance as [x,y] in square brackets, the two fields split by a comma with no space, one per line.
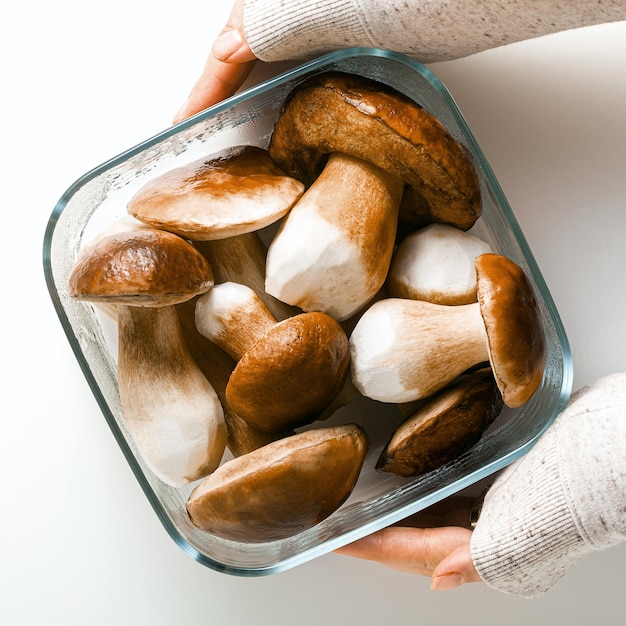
[515,336]
[237,191]
[141,267]
[283,488]
[450,423]
[291,374]
[436,263]
[335,112]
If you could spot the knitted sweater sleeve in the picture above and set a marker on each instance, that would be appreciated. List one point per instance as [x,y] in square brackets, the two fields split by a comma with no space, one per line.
[564,499]
[428,30]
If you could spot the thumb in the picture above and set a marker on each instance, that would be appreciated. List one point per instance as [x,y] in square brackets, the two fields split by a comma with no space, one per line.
[455,570]
[232,47]
[218,81]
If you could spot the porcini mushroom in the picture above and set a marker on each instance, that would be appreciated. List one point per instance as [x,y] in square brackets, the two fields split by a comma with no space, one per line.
[436,263]
[172,412]
[287,372]
[282,488]
[404,350]
[334,247]
[236,191]
[450,423]
[218,366]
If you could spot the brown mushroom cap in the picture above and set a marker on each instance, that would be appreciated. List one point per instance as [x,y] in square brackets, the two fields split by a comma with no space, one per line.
[517,348]
[450,423]
[291,374]
[217,366]
[282,488]
[336,112]
[238,191]
[141,267]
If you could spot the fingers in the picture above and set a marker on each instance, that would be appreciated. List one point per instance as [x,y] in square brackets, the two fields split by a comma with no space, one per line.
[231,47]
[455,570]
[453,511]
[434,542]
[402,549]
[414,550]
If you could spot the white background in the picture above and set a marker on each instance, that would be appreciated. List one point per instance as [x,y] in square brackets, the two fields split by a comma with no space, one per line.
[80,543]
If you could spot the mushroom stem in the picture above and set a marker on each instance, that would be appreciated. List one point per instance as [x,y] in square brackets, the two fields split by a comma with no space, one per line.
[241,259]
[171,409]
[234,317]
[436,263]
[333,250]
[403,350]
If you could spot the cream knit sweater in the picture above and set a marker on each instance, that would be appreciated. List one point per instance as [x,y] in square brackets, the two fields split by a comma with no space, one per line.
[567,497]
[564,499]
[428,30]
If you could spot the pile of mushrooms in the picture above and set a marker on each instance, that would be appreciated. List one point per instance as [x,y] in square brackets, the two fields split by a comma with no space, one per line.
[226,342]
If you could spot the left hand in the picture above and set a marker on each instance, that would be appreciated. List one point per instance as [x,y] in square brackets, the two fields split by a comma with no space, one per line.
[433,543]
[228,65]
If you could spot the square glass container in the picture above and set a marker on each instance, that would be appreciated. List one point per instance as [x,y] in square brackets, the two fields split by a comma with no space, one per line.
[99,199]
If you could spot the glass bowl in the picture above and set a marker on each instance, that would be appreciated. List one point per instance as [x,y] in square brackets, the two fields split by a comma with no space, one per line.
[98,200]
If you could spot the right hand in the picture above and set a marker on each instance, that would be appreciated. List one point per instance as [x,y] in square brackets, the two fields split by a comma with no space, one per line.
[433,543]
[228,65]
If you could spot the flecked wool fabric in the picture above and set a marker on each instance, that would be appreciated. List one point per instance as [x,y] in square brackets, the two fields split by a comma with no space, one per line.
[428,30]
[564,499]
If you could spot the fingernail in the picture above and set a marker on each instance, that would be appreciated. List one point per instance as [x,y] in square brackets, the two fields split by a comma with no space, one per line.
[448,581]
[227,44]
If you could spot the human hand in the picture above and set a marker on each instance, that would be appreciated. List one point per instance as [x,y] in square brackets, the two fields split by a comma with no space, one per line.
[228,65]
[433,543]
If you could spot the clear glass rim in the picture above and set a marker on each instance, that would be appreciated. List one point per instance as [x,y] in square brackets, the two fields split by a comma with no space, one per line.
[403,509]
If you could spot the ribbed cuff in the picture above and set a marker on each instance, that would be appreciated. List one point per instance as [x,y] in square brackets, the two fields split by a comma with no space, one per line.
[526,539]
[562,500]
[297,29]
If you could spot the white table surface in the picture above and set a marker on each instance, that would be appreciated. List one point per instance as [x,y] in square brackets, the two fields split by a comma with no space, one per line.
[80,543]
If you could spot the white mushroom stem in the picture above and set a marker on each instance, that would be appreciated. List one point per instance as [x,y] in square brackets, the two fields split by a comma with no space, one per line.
[436,263]
[234,317]
[333,250]
[404,350]
[171,409]
[241,259]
